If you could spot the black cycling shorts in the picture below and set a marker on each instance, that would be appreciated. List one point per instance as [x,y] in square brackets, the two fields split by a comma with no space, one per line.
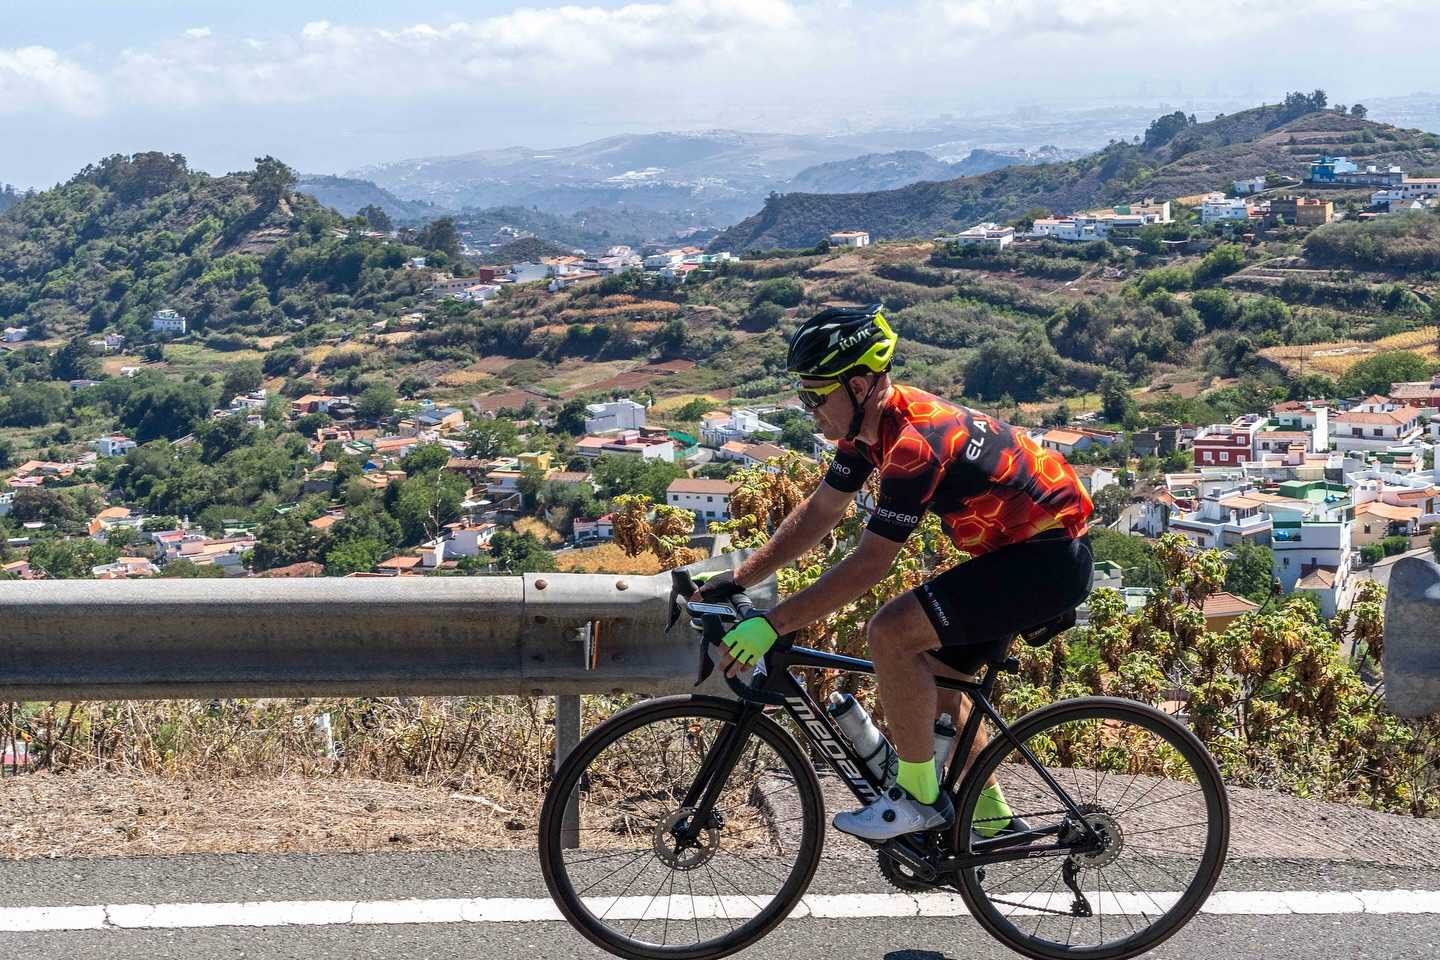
[979,606]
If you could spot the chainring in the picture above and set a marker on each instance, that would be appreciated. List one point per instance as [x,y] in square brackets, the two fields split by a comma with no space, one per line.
[902,879]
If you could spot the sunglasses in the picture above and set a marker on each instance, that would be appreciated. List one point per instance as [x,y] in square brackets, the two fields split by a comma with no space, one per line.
[812,397]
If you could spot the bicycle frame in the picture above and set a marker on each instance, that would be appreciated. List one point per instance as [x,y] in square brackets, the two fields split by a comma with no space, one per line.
[825,738]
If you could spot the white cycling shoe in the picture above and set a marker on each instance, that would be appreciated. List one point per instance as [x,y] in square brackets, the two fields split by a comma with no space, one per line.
[895,814]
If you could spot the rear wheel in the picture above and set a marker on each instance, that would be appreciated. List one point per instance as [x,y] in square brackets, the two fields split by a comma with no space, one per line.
[1145,784]
[638,878]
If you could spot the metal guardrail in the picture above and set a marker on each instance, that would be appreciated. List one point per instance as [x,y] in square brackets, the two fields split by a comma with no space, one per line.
[1412,638]
[540,634]
[537,634]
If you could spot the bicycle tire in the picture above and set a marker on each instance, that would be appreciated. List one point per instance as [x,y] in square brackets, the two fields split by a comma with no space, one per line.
[556,874]
[1217,832]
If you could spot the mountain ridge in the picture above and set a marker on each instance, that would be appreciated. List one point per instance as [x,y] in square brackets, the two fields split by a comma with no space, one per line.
[1179,159]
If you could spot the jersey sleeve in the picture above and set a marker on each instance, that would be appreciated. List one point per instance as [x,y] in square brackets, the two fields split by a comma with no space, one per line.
[908,479]
[849,470]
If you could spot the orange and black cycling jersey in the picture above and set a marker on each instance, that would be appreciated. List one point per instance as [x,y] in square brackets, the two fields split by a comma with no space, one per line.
[990,483]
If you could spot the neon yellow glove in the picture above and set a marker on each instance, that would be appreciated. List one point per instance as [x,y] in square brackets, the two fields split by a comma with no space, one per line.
[750,639]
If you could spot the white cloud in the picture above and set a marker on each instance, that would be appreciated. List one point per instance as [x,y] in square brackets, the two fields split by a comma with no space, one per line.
[654,60]
[38,78]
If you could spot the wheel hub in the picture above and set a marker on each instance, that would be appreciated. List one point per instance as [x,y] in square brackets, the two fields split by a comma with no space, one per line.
[679,854]
[1106,827]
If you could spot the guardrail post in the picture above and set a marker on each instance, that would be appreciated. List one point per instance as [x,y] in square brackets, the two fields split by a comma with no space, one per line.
[1412,638]
[567,735]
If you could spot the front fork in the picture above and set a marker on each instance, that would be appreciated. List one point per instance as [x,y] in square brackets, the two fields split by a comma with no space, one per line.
[715,771]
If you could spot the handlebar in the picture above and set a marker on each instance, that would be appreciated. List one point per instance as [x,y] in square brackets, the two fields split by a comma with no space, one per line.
[713,632]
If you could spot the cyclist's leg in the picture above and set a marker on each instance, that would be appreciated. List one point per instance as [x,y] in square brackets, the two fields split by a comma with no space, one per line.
[958,705]
[899,635]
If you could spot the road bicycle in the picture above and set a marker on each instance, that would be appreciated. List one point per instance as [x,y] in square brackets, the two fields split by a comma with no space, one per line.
[688,827]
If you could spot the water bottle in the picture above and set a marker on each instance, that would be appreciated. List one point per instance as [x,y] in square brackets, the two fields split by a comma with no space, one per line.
[944,738]
[867,739]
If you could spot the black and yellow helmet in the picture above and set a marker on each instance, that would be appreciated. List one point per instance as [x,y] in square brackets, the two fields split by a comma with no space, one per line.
[842,340]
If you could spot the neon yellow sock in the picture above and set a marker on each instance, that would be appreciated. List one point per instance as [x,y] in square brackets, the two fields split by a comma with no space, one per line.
[918,780]
[992,813]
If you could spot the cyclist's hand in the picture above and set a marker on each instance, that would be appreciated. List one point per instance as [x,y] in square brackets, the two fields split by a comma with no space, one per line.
[715,587]
[747,642]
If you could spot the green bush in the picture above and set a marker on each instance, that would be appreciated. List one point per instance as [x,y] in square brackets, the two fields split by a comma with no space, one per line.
[1395,545]
[1372,552]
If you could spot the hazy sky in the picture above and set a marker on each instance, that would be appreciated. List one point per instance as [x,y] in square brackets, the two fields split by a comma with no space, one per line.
[330,87]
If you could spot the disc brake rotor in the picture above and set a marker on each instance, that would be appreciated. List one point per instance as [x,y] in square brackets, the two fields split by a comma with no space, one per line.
[1112,837]
[677,856]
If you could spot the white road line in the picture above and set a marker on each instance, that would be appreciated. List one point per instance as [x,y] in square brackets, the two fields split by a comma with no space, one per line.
[284,913]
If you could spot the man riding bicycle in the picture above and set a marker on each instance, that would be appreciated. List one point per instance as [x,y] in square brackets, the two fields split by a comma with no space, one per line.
[1018,509]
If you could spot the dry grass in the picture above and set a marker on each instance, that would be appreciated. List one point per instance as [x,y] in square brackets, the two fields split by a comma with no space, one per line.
[541,530]
[465,377]
[605,558]
[1335,358]
[150,777]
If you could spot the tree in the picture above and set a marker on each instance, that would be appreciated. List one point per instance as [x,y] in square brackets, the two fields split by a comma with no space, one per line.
[271,181]
[621,474]
[376,218]
[1110,501]
[427,502]
[493,438]
[75,361]
[520,553]
[425,458]
[35,405]
[1435,543]
[7,452]
[1249,571]
[165,408]
[571,418]
[39,504]
[242,377]
[377,402]
[1115,401]
[1376,373]
[71,559]
[353,556]
[285,540]
[440,235]
[183,569]
[1359,111]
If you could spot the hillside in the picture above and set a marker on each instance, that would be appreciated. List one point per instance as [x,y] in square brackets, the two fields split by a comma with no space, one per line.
[348,196]
[238,254]
[1175,158]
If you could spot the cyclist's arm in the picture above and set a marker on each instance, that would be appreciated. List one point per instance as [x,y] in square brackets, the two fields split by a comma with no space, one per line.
[806,526]
[848,580]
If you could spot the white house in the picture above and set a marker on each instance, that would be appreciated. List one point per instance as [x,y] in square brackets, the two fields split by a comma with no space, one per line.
[1253,185]
[1310,416]
[1375,430]
[718,429]
[707,499]
[167,321]
[615,415]
[15,334]
[850,238]
[1217,207]
[1224,518]
[985,234]
[593,528]
[114,445]
[465,539]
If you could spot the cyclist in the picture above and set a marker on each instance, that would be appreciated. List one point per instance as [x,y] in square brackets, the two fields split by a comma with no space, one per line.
[1017,508]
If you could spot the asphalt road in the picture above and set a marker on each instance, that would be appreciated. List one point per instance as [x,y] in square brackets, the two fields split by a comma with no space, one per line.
[192,879]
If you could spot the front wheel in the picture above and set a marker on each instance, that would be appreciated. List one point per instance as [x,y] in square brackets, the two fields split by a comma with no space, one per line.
[636,875]
[1149,791]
